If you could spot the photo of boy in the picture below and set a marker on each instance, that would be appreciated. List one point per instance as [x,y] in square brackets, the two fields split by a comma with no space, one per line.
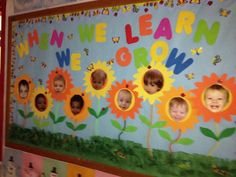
[178,108]
[23,89]
[216,98]
[124,99]
[98,79]
[153,81]
[41,102]
[59,83]
[76,104]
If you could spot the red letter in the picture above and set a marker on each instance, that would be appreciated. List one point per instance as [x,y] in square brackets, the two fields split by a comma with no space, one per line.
[32,38]
[129,38]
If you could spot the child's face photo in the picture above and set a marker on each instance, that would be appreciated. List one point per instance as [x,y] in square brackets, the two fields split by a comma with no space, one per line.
[215,100]
[23,91]
[59,86]
[41,103]
[178,111]
[150,87]
[152,81]
[98,79]
[124,99]
[76,107]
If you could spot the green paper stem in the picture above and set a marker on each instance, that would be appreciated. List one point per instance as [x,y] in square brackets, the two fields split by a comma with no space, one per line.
[149,134]
[56,113]
[174,141]
[217,144]
[123,129]
[24,119]
[96,126]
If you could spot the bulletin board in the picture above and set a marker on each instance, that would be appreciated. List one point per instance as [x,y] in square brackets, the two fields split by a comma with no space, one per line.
[132,88]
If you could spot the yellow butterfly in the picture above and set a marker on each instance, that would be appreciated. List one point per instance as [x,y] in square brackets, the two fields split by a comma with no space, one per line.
[70,36]
[33,58]
[190,76]
[224,12]
[105,11]
[196,51]
[116,39]
[110,62]
[90,67]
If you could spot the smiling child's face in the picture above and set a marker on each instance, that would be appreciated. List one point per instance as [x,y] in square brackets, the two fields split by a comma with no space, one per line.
[215,100]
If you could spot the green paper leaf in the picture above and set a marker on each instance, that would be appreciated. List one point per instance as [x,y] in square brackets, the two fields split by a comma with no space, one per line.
[130,128]
[36,122]
[116,124]
[44,124]
[145,120]
[92,112]
[184,141]
[70,125]
[159,124]
[165,135]
[52,116]
[207,132]
[103,111]
[80,127]
[60,119]
[21,113]
[227,133]
[30,114]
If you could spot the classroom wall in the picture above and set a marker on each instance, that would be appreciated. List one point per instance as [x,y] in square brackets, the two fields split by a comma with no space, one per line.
[204,142]
[19,160]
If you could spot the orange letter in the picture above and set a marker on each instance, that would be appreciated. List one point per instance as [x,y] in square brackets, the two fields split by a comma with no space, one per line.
[145,25]
[123,56]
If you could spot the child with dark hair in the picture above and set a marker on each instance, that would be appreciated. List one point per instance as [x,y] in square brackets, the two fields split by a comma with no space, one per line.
[98,79]
[23,89]
[41,102]
[76,104]
[153,81]
[216,97]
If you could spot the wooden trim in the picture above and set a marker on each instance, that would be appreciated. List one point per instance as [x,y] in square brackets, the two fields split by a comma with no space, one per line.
[2,75]
[75,7]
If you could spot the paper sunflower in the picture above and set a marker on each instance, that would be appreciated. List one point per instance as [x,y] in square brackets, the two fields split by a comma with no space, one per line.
[26,82]
[135,104]
[139,81]
[83,114]
[163,110]
[228,84]
[46,96]
[106,69]
[66,79]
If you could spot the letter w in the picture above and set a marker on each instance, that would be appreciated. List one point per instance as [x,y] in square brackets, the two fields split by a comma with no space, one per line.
[63,58]
[178,61]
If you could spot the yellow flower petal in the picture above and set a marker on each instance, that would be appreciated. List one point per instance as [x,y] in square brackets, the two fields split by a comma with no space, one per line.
[139,81]
[163,110]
